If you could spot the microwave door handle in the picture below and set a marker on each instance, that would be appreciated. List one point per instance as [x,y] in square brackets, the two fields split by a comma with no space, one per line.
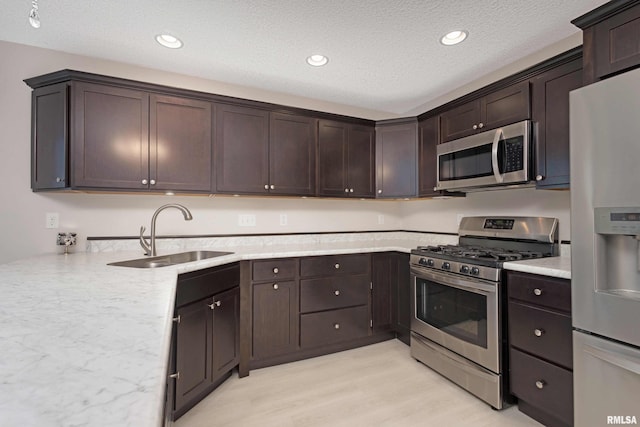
[494,156]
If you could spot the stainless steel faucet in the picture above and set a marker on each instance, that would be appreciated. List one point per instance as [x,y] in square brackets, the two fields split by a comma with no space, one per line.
[150,248]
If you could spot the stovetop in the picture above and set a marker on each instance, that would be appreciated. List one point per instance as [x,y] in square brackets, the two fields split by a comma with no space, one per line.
[476,254]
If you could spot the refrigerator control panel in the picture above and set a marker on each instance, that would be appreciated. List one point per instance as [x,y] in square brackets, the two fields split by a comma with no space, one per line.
[617,220]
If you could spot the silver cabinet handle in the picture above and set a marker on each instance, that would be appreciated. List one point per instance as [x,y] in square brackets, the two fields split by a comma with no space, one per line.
[539,177]
[273,187]
[175,376]
[152,182]
[58,179]
[538,332]
[480,125]
[275,286]
[177,319]
[145,182]
[336,325]
[337,292]
[337,266]
[379,191]
[346,190]
[540,384]
[266,186]
[351,190]
[475,127]
[537,292]
[215,304]
[275,270]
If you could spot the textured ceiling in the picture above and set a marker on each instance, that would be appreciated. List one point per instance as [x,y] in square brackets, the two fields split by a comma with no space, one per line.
[384,55]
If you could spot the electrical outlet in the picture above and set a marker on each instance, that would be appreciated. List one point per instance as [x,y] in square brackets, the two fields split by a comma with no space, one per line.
[380,219]
[52,220]
[284,219]
[247,220]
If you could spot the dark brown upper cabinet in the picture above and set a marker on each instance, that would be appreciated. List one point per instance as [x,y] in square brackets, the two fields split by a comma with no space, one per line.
[258,152]
[502,107]
[396,160]
[550,113]
[119,139]
[611,39]
[347,159]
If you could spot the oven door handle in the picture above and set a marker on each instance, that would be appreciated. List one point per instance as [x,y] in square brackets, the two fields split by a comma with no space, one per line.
[456,282]
[494,156]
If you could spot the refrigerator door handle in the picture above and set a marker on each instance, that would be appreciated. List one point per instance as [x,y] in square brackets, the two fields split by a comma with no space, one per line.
[616,359]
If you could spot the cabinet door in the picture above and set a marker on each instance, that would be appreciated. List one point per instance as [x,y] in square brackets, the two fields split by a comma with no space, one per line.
[382,300]
[427,156]
[396,160]
[361,161]
[292,155]
[241,149]
[110,140]
[616,43]
[180,144]
[332,162]
[49,135]
[275,319]
[506,106]
[193,351]
[403,305]
[551,118]
[460,121]
[226,335]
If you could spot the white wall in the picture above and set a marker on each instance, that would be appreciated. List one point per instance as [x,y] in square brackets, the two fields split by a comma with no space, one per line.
[22,212]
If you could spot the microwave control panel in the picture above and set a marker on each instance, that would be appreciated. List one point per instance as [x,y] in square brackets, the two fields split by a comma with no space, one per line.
[514,154]
[617,220]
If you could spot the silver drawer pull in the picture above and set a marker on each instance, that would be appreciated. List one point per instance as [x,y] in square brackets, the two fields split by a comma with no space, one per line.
[175,376]
[275,286]
[214,305]
[177,319]
[538,332]
[537,291]
[275,270]
[337,266]
[540,384]
[336,325]
[337,292]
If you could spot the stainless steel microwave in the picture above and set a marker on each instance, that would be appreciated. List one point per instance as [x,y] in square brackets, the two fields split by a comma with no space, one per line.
[489,159]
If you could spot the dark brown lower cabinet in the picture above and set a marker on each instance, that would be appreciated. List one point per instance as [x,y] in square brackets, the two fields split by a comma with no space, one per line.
[206,339]
[391,304]
[540,353]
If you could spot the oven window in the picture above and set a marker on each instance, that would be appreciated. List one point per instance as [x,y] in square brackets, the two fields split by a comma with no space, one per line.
[470,163]
[454,311]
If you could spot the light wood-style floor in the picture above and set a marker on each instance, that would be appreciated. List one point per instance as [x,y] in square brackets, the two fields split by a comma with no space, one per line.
[377,385]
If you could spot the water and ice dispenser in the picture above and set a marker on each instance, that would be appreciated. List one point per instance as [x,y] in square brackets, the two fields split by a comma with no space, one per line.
[617,251]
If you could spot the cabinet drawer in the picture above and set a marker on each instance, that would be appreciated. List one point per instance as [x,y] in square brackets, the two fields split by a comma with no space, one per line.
[333,292]
[273,269]
[540,290]
[541,332]
[555,397]
[334,326]
[335,264]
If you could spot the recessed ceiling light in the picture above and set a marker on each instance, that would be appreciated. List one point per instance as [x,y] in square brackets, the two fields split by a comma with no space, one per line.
[167,40]
[317,60]
[454,37]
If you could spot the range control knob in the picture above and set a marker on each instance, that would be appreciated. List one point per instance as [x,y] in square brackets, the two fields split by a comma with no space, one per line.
[430,263]
[464,269]
[422,261]
[446,266]
[475,271]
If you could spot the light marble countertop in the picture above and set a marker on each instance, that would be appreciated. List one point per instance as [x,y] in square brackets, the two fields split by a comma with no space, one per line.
[87,344]
[559,266]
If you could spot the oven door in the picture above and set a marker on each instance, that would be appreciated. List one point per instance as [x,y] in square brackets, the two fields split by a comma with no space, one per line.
[458,313]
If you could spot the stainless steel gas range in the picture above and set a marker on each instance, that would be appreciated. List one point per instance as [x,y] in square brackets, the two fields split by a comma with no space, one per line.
[458,325]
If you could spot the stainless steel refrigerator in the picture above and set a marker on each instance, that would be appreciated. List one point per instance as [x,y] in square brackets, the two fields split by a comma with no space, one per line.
[605,257]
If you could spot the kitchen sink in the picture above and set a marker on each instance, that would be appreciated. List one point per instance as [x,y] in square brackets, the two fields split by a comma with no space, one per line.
[166,260]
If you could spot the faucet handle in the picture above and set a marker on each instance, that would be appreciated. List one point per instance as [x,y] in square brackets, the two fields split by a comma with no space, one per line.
[143,242]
